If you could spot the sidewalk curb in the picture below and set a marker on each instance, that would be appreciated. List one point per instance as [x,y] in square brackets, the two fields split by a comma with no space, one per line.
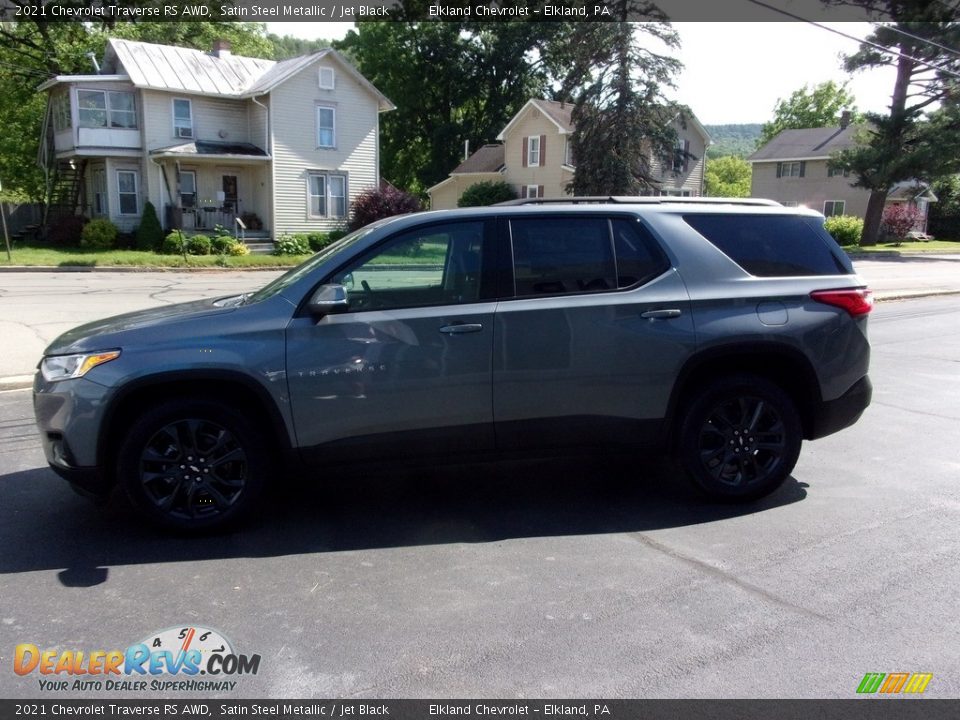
[16,382]
[134,269]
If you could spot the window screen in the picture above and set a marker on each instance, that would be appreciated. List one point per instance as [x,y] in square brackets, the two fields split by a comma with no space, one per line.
[772,245]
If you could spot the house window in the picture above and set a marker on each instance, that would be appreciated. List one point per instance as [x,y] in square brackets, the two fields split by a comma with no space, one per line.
[837,172]
[61,112]
[531,191]
[182,118]
[127,183]
[568,153]
[672,192]
[326,127]
[679,158]
[327,195]
[834,207]
[326,78]
[100,192]
[188,189]
[533,151]
[790,169]
[101,109]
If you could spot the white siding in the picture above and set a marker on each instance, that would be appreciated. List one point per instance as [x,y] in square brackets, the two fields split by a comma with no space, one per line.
[214,119]
[295,150]
[258,124]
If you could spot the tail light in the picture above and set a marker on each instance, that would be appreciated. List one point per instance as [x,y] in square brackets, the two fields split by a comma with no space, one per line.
[856,301]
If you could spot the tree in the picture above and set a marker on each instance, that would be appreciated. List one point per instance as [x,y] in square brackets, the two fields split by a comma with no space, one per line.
[149,233]
[920,137]
[451,82]
[623,124]
[485,193]
[944,216]
[820,106]
[728,177]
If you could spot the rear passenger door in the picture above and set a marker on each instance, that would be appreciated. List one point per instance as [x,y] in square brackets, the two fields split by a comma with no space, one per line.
[592,328]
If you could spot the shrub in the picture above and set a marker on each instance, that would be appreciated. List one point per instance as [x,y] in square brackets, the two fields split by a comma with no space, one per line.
[173,243]
[238,249]
[845,229]
[291,245]
[900,219]
[220,231]
[318,241]
[374,204]
[149,234]
[198,245]
[99,234]
[486,193]
[335,235]
[221,244]
[66,231]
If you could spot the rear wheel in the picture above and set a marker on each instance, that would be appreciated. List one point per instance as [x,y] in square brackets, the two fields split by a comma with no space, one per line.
[193,465]
[740,438]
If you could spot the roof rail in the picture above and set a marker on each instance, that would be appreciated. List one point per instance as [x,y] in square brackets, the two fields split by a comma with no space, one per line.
[640,200]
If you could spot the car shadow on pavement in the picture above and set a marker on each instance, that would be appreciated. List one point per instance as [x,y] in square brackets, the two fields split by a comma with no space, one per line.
[45,526]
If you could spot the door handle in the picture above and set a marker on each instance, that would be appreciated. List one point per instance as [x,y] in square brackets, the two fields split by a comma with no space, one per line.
[461,328]
[661,314]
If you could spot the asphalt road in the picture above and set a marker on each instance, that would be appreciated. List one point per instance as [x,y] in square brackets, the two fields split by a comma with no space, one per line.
[597,577]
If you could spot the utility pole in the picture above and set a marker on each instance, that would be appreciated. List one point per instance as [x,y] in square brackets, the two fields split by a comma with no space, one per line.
[6,235]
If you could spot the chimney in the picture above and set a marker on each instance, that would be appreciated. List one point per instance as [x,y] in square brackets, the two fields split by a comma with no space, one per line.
[844,119]
[221,48]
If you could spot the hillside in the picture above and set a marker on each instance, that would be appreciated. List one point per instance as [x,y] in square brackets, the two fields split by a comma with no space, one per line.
[736,139]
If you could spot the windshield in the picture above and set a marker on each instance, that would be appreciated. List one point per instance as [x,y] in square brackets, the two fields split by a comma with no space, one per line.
[305,268]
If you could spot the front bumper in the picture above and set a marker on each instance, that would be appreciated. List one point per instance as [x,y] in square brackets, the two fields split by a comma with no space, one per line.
[834,415]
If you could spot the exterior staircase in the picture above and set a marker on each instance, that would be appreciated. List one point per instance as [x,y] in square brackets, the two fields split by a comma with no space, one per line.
[65,190]
[258,241]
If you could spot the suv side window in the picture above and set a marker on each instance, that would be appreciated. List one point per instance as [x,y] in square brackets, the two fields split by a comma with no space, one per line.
[560,255]
[432,265]
[639,258]
[771,245]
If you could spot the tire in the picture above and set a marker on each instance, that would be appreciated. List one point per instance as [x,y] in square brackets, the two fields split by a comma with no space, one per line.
[740,438]
[193,465]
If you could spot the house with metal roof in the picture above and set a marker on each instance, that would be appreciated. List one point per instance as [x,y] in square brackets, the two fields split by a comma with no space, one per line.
[533,156]
[212,138]
[794,169]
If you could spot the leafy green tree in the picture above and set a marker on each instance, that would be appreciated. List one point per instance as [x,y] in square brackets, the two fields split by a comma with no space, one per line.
[486,193]
[819,106]
[451,82]
[622,121]
[944,219]
[920,137]
[728,177]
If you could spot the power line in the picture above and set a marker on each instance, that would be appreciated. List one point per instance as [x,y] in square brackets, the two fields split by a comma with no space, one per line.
[917,37]
[895,53]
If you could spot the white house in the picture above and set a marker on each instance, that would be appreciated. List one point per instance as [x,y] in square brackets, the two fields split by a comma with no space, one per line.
[212,137]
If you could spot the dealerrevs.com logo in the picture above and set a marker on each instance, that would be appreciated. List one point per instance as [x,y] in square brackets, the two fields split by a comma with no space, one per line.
[176,659]
[894,683]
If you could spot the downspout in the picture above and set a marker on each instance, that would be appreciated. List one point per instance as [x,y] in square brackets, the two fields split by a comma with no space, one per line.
[269,151]
[164,184]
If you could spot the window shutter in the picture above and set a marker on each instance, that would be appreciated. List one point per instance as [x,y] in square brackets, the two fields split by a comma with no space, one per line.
[686,155]
[803,167]
[543,150]
[539,191]
[526,142]
[779,169]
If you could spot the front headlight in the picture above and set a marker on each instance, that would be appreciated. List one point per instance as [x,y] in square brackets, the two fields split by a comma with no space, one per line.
[65,367]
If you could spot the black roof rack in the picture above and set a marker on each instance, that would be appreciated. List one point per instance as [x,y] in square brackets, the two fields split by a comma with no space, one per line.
[641,200]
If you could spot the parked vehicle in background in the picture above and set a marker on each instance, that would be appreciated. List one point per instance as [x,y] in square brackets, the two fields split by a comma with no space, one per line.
[725,331]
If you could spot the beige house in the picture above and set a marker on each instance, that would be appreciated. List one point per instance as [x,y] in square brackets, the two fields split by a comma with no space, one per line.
[533,156]
[793,168]
[212,138]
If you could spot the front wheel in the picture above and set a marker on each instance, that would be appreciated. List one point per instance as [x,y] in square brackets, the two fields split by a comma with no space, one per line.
[740,438]
[193,465]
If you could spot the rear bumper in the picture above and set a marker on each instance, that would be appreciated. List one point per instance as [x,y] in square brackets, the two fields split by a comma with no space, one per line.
[834,415]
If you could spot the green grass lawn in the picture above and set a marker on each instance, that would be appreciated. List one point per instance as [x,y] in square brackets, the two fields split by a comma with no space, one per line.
[75,257]
[916,246]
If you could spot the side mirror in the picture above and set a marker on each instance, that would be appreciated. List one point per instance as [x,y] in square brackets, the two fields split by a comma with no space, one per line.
[328,300]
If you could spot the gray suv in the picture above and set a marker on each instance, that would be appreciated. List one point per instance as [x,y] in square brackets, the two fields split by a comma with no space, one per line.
[725,331]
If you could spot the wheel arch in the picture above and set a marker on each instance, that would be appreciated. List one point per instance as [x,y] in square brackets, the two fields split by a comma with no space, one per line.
[233,389]
[784,365]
